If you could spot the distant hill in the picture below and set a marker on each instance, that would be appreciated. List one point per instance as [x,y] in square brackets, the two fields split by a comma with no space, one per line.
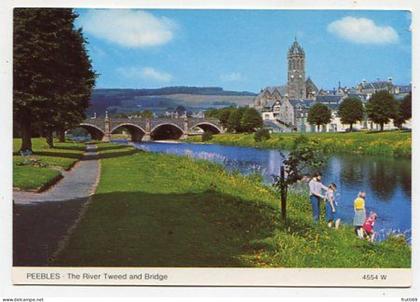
[167,98]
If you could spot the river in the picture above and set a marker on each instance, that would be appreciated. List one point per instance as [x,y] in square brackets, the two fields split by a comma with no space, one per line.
[386,181]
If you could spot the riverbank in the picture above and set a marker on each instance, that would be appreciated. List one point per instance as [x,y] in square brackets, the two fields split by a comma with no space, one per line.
[389,143]
[163,210]
[41,169]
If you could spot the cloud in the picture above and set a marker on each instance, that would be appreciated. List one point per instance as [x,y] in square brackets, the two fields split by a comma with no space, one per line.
[231,77]
[148,73]
[128,28]
[363,31]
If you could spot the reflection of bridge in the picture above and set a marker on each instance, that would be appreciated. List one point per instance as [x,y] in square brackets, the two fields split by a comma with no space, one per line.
[150,129]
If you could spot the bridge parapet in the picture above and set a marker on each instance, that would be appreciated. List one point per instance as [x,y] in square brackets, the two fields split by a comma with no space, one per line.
[162,121]
[147,126]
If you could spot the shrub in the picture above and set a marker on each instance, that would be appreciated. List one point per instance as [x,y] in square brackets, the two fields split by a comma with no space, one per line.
[206,136]
[261,135]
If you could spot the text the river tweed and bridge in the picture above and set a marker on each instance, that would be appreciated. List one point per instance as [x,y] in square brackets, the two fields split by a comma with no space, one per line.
[142,129]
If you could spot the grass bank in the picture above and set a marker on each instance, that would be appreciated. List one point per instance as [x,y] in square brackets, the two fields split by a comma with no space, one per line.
[43,167]
[162,210]
[389,143]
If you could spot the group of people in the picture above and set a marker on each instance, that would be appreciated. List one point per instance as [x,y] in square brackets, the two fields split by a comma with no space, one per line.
[319,193]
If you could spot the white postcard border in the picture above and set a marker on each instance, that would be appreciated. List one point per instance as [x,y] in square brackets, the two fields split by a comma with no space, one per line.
[6,8]
[160,276]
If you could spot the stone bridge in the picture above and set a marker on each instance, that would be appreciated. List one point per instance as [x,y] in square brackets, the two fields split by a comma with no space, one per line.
[150,129]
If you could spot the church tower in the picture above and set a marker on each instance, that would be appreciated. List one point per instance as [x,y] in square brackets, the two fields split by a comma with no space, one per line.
[296,87]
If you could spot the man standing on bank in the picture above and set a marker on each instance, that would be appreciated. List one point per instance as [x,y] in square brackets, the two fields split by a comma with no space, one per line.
[315,195]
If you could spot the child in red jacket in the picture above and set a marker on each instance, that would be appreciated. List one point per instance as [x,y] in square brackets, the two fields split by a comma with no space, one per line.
[368,226]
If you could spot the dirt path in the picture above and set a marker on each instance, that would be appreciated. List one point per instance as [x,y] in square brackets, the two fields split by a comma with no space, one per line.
[42,220]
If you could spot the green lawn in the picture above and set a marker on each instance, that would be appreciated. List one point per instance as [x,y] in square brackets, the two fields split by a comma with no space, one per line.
[162,210]
[388,143]
[43,167]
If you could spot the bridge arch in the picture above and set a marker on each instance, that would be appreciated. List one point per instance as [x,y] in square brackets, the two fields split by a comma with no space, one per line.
[165,131]
[136,132]
[95,132]
[207,126]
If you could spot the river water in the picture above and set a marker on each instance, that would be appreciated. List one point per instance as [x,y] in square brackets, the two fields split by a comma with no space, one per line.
[386,181]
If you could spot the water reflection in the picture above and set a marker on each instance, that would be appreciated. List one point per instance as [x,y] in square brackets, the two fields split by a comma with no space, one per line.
[380,178]
[351,170]
[387,181]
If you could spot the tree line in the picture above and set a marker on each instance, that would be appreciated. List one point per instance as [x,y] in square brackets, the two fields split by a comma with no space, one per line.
[381,108]
[53,76]
[237,120]
[145,114]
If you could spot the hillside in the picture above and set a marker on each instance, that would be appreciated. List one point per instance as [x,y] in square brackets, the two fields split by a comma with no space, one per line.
[167,98]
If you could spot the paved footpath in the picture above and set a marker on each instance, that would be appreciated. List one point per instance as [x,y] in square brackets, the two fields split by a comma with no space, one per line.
[79,182]
[42,220]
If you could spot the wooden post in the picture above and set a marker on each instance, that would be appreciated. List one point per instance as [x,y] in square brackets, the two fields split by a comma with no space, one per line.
[283,193]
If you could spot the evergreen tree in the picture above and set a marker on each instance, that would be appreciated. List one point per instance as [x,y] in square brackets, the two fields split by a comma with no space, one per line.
[319,114]
[381,108]
[351,111]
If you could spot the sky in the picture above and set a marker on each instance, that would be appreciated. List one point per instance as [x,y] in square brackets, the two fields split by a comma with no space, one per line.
[244,50]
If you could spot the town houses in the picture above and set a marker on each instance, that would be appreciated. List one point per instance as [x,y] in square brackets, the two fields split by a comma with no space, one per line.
[285,108]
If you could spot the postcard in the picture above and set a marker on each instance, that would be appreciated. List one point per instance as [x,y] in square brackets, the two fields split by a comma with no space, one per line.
[212,146]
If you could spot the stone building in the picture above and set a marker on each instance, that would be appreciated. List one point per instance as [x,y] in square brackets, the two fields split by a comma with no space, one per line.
[296,82]
[268,96]
[298,87]
[285,108]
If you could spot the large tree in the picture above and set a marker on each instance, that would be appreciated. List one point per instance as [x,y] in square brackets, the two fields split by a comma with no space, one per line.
[76,81]
[224,115]
[52,72]
[404,111]
[221,114]
[234,121]
[406,107]
[31,75]
[251,120]
[351,111]
[319,114]
[381,108]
